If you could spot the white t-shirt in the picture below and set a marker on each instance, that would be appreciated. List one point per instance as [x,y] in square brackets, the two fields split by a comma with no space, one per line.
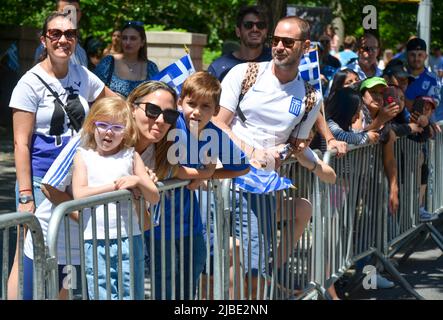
[103,170]
[273,110]
[30,94]
[51,132]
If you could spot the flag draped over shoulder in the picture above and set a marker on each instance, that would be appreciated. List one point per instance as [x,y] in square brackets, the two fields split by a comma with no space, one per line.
[261,181]
[309,68]
[176,73]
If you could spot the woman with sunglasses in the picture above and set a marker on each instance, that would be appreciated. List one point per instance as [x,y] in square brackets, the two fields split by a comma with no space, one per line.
[49,104]
[154,109]
[123,72]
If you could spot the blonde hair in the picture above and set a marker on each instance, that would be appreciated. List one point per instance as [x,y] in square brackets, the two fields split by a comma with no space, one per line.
[113,107]
[163,169]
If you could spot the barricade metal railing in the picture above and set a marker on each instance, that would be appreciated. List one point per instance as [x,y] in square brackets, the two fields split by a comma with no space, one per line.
[350,222]
[23,221]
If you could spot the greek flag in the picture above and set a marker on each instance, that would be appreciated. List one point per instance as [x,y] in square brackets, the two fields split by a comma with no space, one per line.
[59,174]
[309,67]
[175,74]
[13,60]
[261,181]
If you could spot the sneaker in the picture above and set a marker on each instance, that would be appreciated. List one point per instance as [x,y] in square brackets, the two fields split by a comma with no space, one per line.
[383,283]
[426,216]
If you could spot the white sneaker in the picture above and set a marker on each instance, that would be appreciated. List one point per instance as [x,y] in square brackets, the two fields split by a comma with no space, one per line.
[383,283]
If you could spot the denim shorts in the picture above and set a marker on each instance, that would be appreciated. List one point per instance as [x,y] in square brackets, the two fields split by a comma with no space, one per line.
[260,236]
[113,268]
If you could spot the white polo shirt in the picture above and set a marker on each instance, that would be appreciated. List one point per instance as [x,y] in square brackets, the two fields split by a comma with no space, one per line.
[273,110]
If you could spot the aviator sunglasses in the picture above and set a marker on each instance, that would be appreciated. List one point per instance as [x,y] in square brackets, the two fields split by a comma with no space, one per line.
[153,111]
[56,34]
[287,42]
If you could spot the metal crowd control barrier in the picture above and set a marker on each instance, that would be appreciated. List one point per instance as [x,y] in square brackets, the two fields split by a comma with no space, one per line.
[269,244]
[435,185]
[19,220]
[177,255]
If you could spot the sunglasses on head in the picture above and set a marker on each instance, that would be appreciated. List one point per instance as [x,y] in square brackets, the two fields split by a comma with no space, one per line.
[287,42]
[153,111]
[56,34]
[105,126]
[250,24]
[134,23]
[369,49]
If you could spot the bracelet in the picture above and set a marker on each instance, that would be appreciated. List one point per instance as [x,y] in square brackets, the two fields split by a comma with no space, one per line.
[330,140]
[315,167]
[23,190]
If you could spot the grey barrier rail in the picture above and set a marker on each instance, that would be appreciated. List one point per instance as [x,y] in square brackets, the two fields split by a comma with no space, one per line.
[19,220]
[435,193]
[155,275]
[358,223]
[283,258]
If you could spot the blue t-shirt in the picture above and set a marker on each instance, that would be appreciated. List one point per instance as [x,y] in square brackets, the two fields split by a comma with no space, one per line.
[425,84]
[221,66]
[214,142]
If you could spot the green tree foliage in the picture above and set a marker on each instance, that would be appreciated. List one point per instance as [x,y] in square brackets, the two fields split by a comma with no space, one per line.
[216,18]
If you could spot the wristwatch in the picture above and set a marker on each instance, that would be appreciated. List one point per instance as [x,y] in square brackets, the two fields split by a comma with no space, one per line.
[23,199]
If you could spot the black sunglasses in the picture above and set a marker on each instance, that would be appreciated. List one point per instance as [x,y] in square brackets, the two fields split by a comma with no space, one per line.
[153,111]
[250,24]
[369,49]
[56,34]
[287,42]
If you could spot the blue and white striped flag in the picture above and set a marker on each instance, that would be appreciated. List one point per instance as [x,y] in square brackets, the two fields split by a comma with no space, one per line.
[176,73]
[13,60]
[309,68]
[261,181]
[59,174]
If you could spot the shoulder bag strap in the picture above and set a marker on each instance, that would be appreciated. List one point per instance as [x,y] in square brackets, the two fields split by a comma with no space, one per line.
[55,94]
[248,81]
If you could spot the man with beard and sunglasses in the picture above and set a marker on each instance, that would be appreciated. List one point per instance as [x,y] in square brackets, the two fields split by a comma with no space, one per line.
[252,30]
[272,112]
[366,65]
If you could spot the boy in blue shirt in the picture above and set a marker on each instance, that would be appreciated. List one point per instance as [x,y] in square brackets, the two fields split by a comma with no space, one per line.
[198,144]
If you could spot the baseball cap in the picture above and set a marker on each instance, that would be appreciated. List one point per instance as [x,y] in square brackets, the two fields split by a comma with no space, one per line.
[372,82]
[396,69]
[429,99]
[416,44]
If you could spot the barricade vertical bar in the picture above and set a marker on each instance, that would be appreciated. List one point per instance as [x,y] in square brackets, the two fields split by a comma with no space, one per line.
[94,251]
[172,246]
[191,248]
[82,255]
[68,266]
[132,274]
[5,263]
[119,250]
[182,248]
[107,253]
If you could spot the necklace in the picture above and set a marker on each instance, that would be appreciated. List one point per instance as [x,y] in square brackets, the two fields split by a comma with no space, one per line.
[131,66]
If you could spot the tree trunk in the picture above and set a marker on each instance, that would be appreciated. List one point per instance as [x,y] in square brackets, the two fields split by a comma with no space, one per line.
[276,10]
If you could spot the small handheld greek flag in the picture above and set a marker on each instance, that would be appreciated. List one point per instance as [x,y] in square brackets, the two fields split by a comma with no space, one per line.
[261,181]
[13,60]
[309,68]
[176,73]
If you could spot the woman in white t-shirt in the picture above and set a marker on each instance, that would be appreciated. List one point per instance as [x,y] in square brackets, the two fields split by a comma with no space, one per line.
[49,104]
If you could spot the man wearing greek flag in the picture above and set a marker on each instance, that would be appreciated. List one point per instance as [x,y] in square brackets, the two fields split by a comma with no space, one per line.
[279,107]
[176,73]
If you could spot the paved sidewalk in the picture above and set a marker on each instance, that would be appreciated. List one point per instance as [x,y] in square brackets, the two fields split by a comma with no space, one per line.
[423,270]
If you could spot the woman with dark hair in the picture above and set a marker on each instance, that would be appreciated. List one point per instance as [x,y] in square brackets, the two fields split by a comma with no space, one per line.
[123,72]
[342,110]
[115,47]
[49,105]
[343,78]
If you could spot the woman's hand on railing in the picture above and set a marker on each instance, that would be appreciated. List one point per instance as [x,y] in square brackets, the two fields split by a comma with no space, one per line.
[373,137]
